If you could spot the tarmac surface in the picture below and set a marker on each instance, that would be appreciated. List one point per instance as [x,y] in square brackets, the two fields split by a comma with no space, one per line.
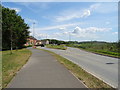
[102,67]
[44,71]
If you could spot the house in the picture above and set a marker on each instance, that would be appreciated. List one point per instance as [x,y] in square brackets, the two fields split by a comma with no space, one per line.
[38,42]
[31,41]
[44,42]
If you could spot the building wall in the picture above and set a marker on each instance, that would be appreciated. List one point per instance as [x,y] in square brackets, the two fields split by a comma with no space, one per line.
[47,42]
[30,42]
[38,42]
[35,42]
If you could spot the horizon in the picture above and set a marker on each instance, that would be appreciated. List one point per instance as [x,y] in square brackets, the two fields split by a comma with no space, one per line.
[76,21]
[81,41]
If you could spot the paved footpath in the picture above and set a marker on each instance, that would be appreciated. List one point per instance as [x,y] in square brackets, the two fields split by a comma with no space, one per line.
[43,71]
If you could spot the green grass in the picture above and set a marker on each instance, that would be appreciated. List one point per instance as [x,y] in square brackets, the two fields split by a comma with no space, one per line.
[12,63]
[62,47]
[89,80]
[107,53]
[109,49]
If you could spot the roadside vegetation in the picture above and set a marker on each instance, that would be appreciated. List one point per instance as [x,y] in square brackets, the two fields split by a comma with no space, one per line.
[62,47]
[89,80]
[12,63]
[104,48]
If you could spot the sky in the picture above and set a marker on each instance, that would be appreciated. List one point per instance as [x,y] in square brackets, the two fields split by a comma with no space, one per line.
[75,21]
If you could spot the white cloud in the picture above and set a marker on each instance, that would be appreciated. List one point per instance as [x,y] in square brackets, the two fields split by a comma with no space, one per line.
[95,29]
[62,28]
[95,6]
[81,13]
[16,9]
[65,33]
[83,33]
[42,35]
[74,14]
[45,36]
[68,15]
[58,27]
[78,30]
[86,13]
[115,33]
[90,32]
[105,7]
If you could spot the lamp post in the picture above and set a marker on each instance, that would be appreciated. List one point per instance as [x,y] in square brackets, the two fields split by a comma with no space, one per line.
[33,29]
[69,37]
[46,36]
[33,34]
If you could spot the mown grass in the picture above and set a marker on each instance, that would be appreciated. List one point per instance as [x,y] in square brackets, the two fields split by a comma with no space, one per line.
[11,63]
[62,47]
[89,80]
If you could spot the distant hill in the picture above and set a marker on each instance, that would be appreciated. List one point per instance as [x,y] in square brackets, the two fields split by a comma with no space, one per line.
[55,41]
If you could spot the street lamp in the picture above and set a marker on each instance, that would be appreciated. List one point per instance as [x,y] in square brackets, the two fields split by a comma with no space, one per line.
[33,34]
[33,29]
[69,37]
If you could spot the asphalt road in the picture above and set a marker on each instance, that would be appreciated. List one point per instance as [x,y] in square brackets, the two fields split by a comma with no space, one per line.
[103,67]
[43,71]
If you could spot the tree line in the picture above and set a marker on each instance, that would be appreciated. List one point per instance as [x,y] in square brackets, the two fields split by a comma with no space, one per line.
[55,41]
[14,30]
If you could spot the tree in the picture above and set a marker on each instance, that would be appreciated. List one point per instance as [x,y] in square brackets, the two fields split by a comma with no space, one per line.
[0,28]
[14,29]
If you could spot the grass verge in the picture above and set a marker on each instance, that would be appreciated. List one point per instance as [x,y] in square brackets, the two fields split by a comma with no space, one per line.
[62,47]
[89,80]
[102,52]
[99,48]
[12,63]
[106,53]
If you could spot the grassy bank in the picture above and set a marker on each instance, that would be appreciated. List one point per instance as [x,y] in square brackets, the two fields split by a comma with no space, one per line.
[89,80]
[62,47]
[109,49]
[12,63]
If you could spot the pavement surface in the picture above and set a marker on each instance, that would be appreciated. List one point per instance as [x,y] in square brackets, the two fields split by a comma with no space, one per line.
[43,71]
[103,67]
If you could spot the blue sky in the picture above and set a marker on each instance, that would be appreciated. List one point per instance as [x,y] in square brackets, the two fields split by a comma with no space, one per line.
[82,21]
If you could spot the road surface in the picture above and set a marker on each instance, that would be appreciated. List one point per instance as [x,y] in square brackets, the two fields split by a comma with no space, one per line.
[43,71]
[103,67]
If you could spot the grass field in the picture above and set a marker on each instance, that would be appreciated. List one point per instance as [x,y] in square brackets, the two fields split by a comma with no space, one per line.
[62,47]
[11,63]
[89,80]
